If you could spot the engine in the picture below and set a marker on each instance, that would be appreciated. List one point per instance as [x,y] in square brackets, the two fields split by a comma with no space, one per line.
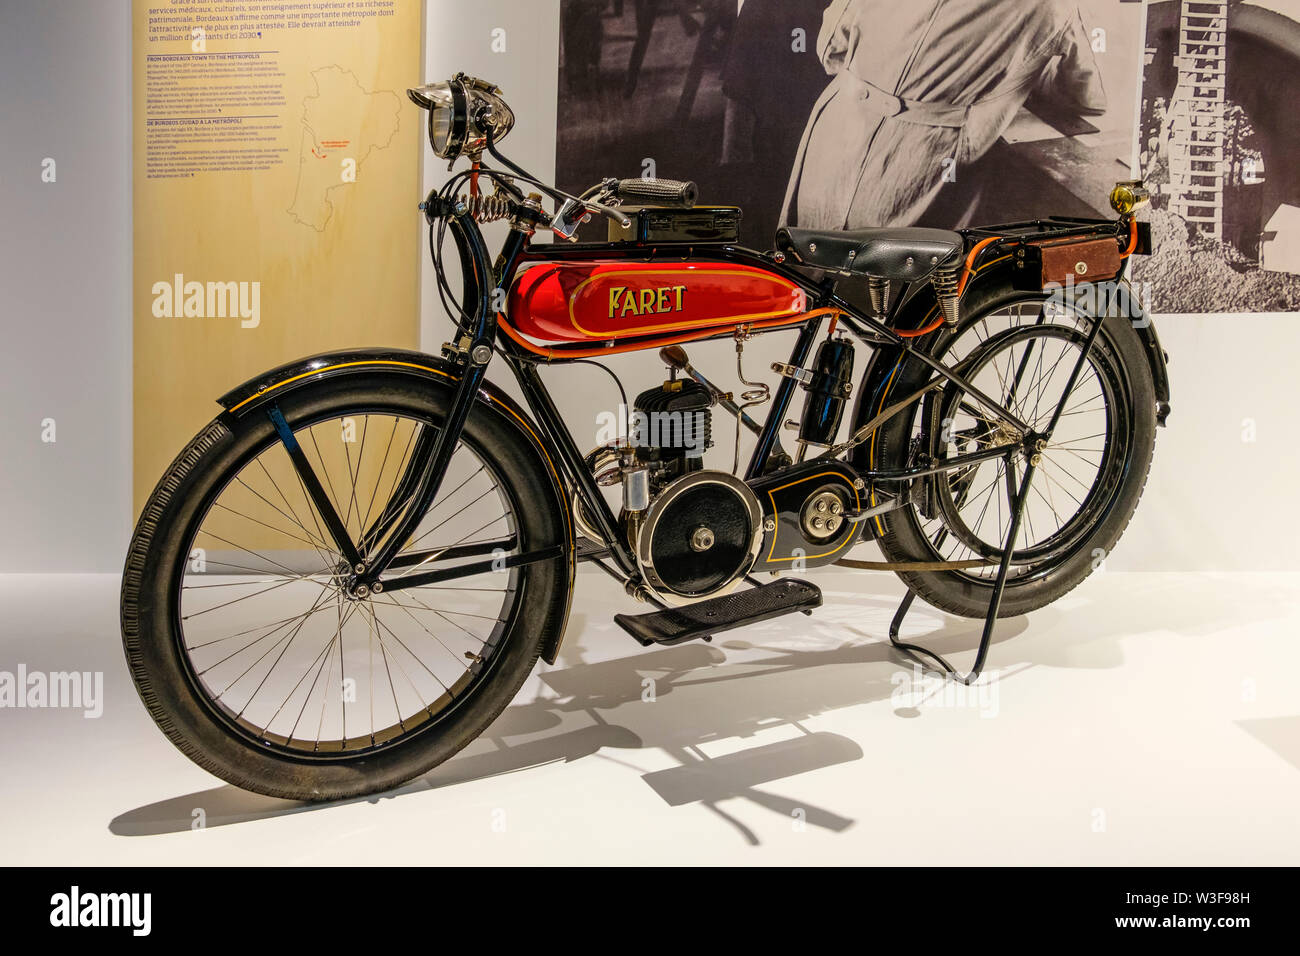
[697,532]
[699,536]
[670,429]
[694,531]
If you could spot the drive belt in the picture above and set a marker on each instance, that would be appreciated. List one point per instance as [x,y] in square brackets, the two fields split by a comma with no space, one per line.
[914,565]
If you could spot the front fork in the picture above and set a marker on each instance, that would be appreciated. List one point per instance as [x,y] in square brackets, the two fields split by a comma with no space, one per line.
[371,556]
[393,529]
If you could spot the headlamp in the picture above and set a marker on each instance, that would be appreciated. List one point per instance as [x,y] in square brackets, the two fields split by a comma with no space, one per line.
[463,112]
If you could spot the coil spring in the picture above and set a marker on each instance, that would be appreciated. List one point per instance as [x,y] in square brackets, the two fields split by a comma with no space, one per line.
[486,209]
[945,290]
[879,291]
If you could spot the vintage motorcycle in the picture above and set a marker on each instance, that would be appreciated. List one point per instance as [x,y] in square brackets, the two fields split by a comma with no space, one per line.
[345,577]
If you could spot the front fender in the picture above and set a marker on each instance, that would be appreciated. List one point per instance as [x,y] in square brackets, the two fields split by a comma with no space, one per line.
[242,399]
[437,373]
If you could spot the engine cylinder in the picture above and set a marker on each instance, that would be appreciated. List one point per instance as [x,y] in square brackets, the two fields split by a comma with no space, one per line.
[671,428]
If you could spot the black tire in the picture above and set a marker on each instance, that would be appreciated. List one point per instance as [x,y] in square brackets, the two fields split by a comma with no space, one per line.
[156,566]
[1031,585]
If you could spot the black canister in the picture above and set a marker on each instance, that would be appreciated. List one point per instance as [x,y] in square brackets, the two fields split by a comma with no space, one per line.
[827,391]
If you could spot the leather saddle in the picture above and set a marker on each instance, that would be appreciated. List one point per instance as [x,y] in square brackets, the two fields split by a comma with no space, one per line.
[908,254]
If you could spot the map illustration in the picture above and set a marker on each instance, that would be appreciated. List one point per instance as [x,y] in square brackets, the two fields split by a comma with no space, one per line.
[342,124]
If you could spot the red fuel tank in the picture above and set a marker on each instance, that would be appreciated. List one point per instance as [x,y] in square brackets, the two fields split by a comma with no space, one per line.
[604,301]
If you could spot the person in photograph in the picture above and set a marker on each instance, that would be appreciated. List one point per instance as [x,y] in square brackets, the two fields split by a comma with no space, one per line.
[770,79]
[919,93]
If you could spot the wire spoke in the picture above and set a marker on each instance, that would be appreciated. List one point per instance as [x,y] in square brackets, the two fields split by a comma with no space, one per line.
[217,607]
[279,657]
[272,664]
[320,532]
[292,518]
[240,514]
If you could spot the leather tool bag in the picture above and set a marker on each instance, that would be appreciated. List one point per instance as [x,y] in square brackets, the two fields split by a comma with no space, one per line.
[1060,261]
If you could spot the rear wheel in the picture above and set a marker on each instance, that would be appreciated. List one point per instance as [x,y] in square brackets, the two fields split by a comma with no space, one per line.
[1021,348]
[245,645]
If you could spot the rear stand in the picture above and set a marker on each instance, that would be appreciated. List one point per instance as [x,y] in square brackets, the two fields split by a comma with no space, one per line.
[915,651]
[1017,497]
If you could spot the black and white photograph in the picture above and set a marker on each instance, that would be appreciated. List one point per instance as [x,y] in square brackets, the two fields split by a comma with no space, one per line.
[857,113]
[1218,144]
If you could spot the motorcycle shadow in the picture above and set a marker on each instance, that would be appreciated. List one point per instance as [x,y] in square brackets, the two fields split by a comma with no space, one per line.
[678,700]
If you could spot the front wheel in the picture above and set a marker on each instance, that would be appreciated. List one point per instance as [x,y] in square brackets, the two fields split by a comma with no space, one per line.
[1020,349]
[246,647]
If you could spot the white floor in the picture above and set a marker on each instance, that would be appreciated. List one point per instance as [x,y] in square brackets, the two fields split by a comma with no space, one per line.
[1146,719]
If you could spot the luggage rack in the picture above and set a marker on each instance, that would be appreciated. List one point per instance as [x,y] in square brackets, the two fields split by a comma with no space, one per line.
[1053,227]
[1066,227]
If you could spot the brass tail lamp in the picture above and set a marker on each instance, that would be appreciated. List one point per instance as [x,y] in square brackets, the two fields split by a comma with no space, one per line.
[1129,196]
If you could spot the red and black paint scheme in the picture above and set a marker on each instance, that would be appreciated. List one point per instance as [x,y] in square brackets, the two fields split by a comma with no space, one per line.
[611,300]
[687,539]
[641,289]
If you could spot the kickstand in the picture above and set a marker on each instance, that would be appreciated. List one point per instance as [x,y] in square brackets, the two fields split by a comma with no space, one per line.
[915,651]
[1017,497]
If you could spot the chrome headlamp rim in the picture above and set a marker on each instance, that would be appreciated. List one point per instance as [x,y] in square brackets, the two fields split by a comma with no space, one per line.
[446,99]
[473,109]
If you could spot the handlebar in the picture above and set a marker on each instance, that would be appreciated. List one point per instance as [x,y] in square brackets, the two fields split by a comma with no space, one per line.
[462,214]
[657,192]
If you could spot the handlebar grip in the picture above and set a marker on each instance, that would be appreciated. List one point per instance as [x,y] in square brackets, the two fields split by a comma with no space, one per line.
[657,192]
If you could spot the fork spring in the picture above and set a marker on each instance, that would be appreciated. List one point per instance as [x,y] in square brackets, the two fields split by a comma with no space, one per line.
[486,209]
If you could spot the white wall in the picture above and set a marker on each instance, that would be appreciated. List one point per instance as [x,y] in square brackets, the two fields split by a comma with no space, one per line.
[1217,500]
[65,271]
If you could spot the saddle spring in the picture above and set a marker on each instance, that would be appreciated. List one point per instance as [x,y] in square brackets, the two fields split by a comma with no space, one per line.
[945,290]
[878,289]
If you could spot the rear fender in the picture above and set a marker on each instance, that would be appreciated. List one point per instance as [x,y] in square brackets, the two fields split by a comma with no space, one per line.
[989,284]
[887,374]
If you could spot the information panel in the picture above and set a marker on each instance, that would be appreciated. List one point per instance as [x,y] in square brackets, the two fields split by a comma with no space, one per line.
[276,174]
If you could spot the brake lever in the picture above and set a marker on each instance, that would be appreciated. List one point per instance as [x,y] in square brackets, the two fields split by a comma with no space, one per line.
[574,212]
[611,213]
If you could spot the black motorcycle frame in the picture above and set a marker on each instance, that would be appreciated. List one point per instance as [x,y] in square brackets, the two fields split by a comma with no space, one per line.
[479,337]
